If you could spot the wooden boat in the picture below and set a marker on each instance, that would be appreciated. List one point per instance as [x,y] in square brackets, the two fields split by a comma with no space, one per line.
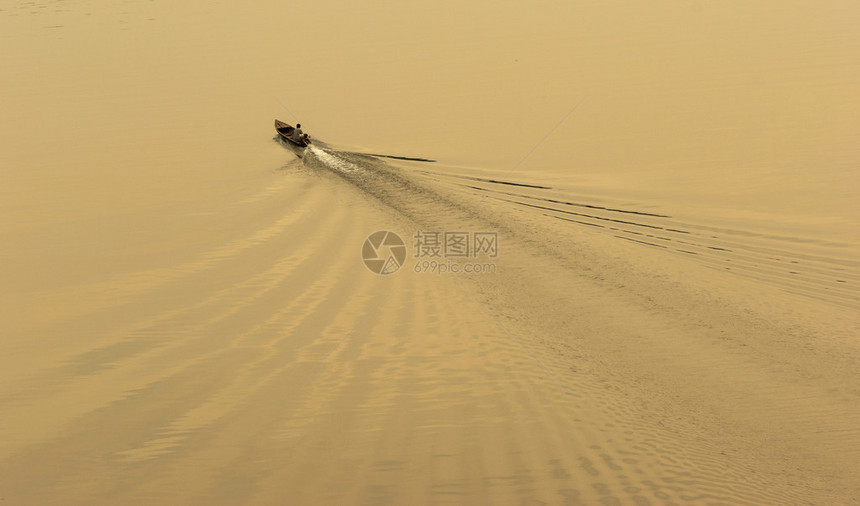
[286,133]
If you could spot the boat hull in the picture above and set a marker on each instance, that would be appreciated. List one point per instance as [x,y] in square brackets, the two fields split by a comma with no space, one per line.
[285,132]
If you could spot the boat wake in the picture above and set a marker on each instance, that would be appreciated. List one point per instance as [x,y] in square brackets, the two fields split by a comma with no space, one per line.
[331,160]
[575,259]
[253,342]
[807,266]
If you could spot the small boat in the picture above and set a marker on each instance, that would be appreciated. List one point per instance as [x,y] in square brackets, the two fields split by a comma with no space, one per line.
[285,131]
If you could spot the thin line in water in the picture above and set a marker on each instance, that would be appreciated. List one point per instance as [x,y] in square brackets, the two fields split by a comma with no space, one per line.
[545,137]
[287,109]
[541,141]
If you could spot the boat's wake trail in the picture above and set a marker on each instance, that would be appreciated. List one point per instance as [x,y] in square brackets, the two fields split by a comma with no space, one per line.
[448,198]
[332,161]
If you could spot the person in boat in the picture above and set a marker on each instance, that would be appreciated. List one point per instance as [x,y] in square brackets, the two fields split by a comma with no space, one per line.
[297,133]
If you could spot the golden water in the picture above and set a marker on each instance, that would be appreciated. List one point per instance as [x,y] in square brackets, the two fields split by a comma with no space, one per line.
[186,317]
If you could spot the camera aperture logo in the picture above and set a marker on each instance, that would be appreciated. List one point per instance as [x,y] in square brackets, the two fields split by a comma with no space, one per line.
[383,252]
[438,252]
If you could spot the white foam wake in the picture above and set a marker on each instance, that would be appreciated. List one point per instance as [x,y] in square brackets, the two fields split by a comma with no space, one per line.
[334,162]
